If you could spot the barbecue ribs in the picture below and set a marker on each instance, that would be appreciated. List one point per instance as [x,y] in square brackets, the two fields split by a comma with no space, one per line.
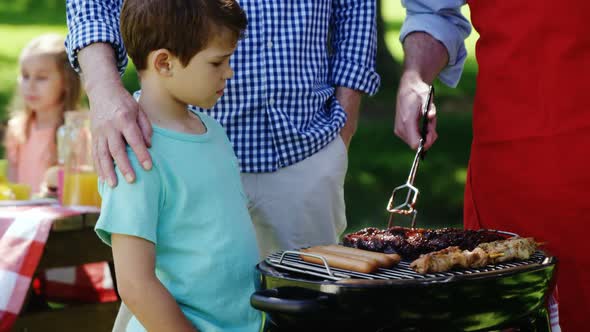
[411,243]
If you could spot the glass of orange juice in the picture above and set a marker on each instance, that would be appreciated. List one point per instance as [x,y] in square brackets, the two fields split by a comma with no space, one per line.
[80,181]
[21,191]
[81,188]
[3,166]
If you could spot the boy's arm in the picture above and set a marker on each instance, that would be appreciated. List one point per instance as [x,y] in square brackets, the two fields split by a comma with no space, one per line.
[142,292]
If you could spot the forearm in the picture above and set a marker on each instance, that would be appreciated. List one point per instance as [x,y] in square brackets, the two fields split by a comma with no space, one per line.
[11,172]
[350,100]
[153,305]
[354,46]
[443,21]
[115,117]
[94,21]
[424,57]
[98,68]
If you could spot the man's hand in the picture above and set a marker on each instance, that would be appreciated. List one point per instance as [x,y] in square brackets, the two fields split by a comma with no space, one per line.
[412,95]
[424,58]
[350,100]
[116,118]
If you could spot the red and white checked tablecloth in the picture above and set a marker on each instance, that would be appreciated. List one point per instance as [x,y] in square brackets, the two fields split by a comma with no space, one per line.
[23,234]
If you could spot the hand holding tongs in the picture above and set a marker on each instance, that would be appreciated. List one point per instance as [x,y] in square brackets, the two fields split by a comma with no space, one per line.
[407,208]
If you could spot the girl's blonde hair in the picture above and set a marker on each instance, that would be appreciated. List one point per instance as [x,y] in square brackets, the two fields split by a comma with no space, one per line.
[51,45]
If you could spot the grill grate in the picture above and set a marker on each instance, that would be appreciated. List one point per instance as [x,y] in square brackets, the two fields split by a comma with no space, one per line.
[290,261]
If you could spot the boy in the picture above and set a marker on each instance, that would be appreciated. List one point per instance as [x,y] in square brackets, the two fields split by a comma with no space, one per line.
[182,239]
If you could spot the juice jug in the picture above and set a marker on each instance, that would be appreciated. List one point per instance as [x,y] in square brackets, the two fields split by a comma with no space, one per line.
[80,181]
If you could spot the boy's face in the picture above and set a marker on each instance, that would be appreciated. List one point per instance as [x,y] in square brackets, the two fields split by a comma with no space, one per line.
[202,81]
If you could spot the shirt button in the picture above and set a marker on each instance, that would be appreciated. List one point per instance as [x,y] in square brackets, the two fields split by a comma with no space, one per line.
[269,44]
[271,101]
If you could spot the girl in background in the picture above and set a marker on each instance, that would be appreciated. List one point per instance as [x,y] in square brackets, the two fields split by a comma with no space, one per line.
[47,86]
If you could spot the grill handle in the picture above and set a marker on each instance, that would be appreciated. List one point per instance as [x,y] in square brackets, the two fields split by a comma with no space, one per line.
[291,300]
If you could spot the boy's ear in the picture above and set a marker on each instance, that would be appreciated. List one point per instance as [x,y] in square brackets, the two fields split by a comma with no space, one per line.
[162,61]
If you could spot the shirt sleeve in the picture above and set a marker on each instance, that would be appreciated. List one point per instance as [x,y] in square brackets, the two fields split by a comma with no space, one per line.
[442,19]
[131,208]
[353,43]
[94,21]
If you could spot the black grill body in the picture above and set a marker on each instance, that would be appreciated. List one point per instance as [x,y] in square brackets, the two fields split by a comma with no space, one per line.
[301,296]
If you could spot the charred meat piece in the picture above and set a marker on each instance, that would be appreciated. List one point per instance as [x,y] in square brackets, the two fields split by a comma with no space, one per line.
[411,243]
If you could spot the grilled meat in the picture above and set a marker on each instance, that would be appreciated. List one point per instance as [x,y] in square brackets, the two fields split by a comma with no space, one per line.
[512,248]
[411,243]
[484,254]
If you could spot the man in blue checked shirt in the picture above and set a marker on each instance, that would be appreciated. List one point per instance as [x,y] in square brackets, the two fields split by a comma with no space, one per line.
[290,110]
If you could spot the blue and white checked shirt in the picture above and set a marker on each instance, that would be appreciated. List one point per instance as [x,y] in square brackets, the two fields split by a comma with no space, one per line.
[279,108]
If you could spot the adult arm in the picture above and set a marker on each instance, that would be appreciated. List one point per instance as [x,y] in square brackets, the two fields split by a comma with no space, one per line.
[352,64]
[140,289]
[96,50]
[433,37]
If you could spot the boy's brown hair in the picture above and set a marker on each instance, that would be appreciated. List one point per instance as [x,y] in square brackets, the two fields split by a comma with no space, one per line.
[183,27]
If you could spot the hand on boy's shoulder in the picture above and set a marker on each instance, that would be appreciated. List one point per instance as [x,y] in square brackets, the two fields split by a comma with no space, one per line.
[141,173]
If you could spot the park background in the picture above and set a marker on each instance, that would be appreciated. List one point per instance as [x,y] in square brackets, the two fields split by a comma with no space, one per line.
[378,161]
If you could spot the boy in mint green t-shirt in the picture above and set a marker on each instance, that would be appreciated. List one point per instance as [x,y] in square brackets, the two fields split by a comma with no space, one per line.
[183,243]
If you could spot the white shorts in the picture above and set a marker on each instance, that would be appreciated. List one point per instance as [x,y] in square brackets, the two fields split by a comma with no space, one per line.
[302,204]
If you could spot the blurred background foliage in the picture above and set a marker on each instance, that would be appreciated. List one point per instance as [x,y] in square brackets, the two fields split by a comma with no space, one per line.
[378,161]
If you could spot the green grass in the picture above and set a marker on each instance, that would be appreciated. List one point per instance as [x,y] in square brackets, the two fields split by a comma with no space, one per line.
[378,161]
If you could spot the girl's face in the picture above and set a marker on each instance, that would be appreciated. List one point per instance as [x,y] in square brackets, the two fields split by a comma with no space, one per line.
[41,83]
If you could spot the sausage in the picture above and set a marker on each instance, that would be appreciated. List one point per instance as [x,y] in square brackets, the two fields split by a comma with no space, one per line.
[324,249]
[356,264]
[383,260]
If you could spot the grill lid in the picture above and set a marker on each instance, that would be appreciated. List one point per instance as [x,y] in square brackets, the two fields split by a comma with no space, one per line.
[291,263]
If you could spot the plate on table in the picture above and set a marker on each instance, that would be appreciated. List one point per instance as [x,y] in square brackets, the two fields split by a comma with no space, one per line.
[29,202]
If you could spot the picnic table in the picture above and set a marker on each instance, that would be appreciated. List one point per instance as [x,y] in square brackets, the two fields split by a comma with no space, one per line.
[38,238]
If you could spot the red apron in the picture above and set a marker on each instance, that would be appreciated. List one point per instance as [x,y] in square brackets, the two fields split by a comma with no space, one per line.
[529,170]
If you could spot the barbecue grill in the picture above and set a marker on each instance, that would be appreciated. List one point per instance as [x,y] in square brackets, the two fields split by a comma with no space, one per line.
[303,296]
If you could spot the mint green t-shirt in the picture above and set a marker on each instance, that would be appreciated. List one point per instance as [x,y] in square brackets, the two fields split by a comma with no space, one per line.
[191,205]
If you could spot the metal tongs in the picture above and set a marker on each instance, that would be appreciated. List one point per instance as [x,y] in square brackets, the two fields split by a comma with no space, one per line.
[408,207]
